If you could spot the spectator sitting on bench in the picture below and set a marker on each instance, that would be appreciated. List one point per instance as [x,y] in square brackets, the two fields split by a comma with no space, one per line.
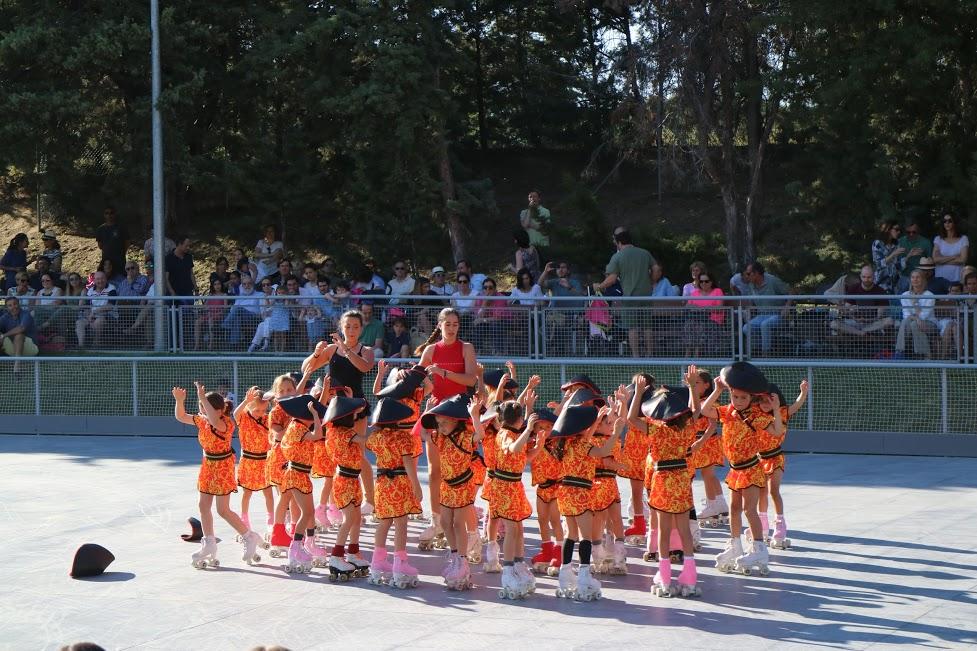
[100,312]
[860,318]
[17,332]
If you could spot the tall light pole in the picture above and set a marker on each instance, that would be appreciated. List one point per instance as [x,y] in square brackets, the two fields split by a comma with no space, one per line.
[159,235]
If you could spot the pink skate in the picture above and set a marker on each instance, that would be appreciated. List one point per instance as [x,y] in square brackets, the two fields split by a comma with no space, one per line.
[380,568]
[318,555]
[780,539]
[404,575]
[687,580]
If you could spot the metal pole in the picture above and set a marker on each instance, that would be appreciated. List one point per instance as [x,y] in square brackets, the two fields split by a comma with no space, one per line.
[944,403]
[810,398]
[37,388]
[135,389]
[159,235]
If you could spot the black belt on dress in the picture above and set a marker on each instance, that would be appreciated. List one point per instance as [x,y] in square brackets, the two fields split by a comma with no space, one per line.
[671,464]
[505,475]
[258,456]
[392,472]
[577,482]
[604,472]
[219,456]
[743,465]
[549,483]
[298,467]
[770,454]
[345,471]
[460,479]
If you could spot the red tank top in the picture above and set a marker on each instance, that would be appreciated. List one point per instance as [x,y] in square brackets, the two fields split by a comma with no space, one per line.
[450,357]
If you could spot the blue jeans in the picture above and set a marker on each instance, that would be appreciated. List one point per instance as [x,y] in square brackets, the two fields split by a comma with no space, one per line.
[237,316]
[765,323]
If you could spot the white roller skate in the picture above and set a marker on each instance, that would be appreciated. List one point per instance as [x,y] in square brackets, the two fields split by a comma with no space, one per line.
[513,587]
[433,536]
[380,568]
[317,554]
[461,577]
[780,539]
[618,565]
[246,519]
[450,567]
[662,585]
[474,547]
[599,559]
[206,556]
[322,522]
[637,534]
[687,580]
[492,565]
[360,563]
[340,569]
[696,535]
[758,558]
[523,573]
[715,513]
[299,560]
[251,541]
[588,588]
[726,559]
[567,587]
[404,575]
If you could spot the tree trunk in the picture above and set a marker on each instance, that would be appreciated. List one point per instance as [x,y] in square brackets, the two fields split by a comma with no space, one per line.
[480,85]
[452,219]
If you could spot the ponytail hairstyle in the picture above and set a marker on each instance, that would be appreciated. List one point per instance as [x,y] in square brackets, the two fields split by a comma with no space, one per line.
[650,382]
[436,335]
[218,402]
[281,379]
[706,377]
[510,413]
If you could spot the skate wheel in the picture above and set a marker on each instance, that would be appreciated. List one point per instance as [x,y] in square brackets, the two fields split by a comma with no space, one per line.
[746,571]
[256,559]
[343,578]
[215,563]
[764,571]
[332,578]
[503,594]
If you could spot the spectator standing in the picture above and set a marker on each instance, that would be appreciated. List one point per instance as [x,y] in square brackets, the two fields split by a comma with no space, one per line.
[268,252]
[22,289]
[51,251]
[706,316]
[860,318]
[536,221]
[100,312]
[439,284]
[112,238]
[527,257]
[465,267]
[17,332]
[526,291]
[178,269]
[888,256]
[14,260]
[696,269]
[917,317]
[373,333]
[147,247]
[766,315]
[245,312]
[950,250]
[917,247]
[629,266]
[402,283]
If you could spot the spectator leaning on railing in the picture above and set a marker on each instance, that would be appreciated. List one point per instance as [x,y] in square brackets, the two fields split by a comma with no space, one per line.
[765,315]
[17,332]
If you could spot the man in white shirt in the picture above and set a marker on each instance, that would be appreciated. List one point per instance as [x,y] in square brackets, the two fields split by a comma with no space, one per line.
[439,286]
[401,284]
[477,280]
[246,311]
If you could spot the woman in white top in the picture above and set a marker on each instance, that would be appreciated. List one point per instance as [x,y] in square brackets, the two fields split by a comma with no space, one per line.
[268,252]
[917,317]
[950,249]
[526,291]
[47,303]
[464,298]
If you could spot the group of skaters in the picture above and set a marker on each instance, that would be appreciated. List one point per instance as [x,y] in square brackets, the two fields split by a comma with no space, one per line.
[480,430]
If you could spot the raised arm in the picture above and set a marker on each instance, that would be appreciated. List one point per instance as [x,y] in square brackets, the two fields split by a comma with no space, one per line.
[635,421]
[315,432]
[320,356]
[379,379]
[708,408]
[513,447]
[249,397]
[801,398]
[212,415]
[618,428]
[475,413]
[180,410]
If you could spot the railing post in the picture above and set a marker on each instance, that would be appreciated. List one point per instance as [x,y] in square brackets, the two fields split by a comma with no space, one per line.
[743,338]
[234,381]
[530,335]
[563,374]
[810,398]
[37,387]
[944,403]
[543,353]
[135,389]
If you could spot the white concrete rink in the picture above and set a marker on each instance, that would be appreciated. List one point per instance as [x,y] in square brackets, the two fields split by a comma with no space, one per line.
[884,556]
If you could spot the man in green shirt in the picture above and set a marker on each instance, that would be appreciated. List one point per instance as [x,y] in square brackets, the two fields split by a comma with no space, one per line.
[536,220]
[631,267]
[766,315]
[373,332]
[916,247]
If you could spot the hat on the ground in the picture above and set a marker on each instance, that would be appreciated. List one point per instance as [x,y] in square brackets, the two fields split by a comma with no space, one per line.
[196,531]
[926,264]
[666,404]
[341,406]
[455,408]
[744,376]
[437,270]
[406,386]
[90,560]
[389,412]
[585,396]
[298,407]
[49,235]
[574,420]
[581,380]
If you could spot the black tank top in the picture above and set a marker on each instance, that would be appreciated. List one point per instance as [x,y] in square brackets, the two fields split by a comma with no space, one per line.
[342,372]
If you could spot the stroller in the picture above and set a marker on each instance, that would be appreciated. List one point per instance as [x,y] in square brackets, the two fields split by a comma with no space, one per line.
[600,342]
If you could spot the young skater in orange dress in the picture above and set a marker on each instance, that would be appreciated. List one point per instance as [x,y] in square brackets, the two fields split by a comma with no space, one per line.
[411,387]
[398,491]
[632,457]
[251,418]
[284,386]
[608,555]
[546,478]
[714,510]
[346,420]
[216,477]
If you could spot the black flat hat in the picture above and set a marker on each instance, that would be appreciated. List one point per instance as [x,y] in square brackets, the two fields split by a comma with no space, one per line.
[405,387]
[581,380]
[585,396]
[546,415]
[574,420]
[744,376]
[666,404]
[389,412]
[341,406]
[455,407]
[648,391]
[298,407]
[493,377]
[90,560]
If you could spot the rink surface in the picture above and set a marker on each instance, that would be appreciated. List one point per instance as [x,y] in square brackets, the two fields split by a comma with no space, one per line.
[885,555]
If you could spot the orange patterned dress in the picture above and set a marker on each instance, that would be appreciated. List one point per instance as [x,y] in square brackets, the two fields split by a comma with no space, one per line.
[323,459]
[254,453]
[393,492]
[546,474]
[346,489]
[577,470]
[508,494]
[711,452]
[298,455]
[633,454]
[489,450]
[771,455]
[741,445]
[274,465]
[416,403]
[671,482]
[458,485]
[605,491]
[216,476]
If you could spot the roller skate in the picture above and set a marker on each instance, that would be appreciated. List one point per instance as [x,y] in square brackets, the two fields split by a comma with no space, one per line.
[588,588]
[780,539]
[380,568]
[687,580]
[651,553]
[247,523]
[662,586]
[322,522]
[206,556]
[474,547]
[433,536]
[599,559]
[461,577]
[492,565]
[335,516]
[280,542]
[726,559]
[541,561]
[556,561]
[362,567]
[567,587]
[450,567]
[404,575]
[513,587]
[299,560]
[637,534]
[618,565]
[765,525]
[251,541]
[696,534]
[522,571]
[317,554]
[715,513]
[340,569]
[417,517]
[758,558]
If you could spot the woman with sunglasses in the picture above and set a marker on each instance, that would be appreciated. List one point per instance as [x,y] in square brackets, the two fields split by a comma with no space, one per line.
[491,316]
[707,316]
[887,256]
[22,289]
[47,303]
[950,249]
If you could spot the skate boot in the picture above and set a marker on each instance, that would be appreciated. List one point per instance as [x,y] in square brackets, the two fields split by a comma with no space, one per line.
[675,552]
[299,561]
[714,513]
[588,588]
[322,521]
[318,555]
[541,561]
[526,576]
[404,575]
[556,560]
[687,580]
[696,535]
[380,568]
[417,517]
[492,565]
[651,554]
[206,556]
[758,558]
[765,525]
[461,578]
[247,523]
[662,586]
[339,569]
[780,539]
[280,541]
[360,565]
[474,547]
[726,559]
[433,536]
[512,585]
[598,559]
[567,587]
[636,534]
[251,541]
[619,559]
[335,516]
[451,567]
